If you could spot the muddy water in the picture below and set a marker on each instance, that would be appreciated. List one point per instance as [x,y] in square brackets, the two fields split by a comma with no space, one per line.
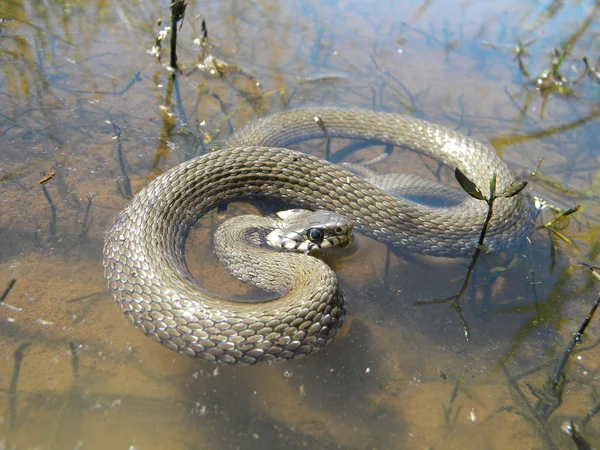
[83,94]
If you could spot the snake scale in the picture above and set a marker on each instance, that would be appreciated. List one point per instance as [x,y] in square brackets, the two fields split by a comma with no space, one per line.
[144,252]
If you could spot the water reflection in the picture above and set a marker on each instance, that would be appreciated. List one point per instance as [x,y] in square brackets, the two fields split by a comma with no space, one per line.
[82,95]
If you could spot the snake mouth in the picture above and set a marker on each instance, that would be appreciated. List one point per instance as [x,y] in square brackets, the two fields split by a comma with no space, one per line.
[347,243]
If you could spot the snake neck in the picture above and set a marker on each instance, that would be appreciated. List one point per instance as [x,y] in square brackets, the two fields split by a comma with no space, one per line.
[241,246]
[246,233]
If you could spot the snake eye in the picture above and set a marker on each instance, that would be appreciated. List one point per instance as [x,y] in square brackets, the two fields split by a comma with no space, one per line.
[316,235]
[338,230]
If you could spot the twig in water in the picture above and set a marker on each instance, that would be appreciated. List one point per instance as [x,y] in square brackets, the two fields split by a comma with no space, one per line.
[72,399]
[125,187]
[573,429]
[74,360]
[178,103]
[137,77]
[550,182]
[448,419]
[591,71]
[223,107]
[558,379]
[177,13]
[7,290]
[410,104]
[321,125]
[12,390]
[549,396]
[85,297]
[52,212]
[87,218]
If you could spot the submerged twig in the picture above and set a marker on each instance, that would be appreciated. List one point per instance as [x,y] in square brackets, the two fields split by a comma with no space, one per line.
[73,397]
[7,290]
[550,395]
[448,418]
[87,218]
[400,91]
[321,125]
[85,297]
[558,379]
[135,79]
[74,361]
[125,187]
[52,212]
[549,181]
[12,390]
[507,140]
[178,103]
[593,73]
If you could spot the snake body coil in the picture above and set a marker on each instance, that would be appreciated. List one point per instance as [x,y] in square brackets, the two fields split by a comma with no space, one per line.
[144,260]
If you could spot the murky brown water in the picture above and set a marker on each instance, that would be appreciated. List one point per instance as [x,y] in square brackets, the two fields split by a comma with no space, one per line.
[75,374]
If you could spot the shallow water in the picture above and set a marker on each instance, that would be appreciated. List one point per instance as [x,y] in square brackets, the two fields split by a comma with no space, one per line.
[82,94]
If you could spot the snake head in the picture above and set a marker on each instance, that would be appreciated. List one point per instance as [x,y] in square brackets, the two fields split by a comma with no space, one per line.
[301,230]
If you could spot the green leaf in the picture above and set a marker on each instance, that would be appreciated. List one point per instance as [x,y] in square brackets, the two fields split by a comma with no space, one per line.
[570,211]
[592,269]
[493,186]
[562,236]
[562,214]
[514,188]
[468,185]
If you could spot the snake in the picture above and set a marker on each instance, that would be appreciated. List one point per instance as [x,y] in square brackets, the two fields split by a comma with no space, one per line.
[144,250]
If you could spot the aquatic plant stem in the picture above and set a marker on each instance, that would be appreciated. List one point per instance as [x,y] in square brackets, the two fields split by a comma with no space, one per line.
[549,395]
[177,13]
[558,379]
[125,188]
[87,218]
[12,390]
[7,290]
[52,212]
[470,188]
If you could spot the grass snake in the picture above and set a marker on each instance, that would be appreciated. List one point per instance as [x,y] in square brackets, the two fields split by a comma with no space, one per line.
[144,252]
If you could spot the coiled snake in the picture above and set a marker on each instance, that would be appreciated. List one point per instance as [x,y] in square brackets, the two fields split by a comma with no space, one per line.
[144,260]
